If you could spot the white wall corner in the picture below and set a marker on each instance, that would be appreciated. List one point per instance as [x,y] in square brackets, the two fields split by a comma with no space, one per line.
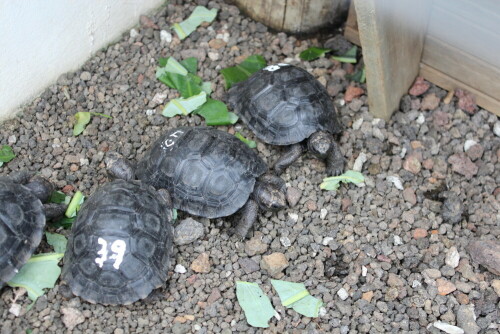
[41,40]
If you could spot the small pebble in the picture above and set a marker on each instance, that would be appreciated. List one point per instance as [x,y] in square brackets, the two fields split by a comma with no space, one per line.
[342,293]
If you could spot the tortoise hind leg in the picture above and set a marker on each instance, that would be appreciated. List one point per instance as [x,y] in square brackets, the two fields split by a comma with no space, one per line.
[292,154]
[248,218]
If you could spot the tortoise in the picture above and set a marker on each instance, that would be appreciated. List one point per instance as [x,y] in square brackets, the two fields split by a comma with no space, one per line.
[120,244]
[22,219]
[285,105]
[208,173]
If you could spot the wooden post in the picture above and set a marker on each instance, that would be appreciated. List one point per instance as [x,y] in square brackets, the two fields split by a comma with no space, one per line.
[392,35]
[295,16]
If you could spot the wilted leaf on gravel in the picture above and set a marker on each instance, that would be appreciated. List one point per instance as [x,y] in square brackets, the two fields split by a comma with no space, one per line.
[184,106]
[199,15]
[313,53]
[256,305]
[296,296]
[243,71]
[250,143]
[57,241]
[348,57]
[215,113]
[333,182]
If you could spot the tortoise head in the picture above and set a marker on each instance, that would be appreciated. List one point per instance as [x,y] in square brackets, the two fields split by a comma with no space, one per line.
[270,197]
[320,143]
[119,168]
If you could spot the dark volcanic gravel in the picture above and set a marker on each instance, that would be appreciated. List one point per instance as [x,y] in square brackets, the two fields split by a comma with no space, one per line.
[380,256]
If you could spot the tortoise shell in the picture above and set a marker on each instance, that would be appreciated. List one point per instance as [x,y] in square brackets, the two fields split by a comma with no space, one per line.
[208,172]
[284,104]
[120,246]
[22,219]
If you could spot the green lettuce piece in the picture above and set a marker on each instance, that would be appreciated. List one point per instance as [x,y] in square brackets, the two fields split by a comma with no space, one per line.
[82,119]
[170,66]
[206,86]
[256,305]
[187,85]
[199,15]
[243,71]
[74,204]
[64,222]
[174,214]
[249,142]
[57,241]
[313,53]
[184,106]
[358,76]
[349,56]
[215,113]
[295,295]
[40,272]
[6,154]
[190,64]
[58,197]
[333,182]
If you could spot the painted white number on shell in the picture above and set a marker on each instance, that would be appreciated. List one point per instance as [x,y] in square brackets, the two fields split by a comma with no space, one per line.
[272,68]
[170,141]
[118,248]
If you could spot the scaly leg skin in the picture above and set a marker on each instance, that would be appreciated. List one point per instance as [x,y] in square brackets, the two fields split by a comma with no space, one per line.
[293,153]
[335,160]
[248,218]
[54,210]
[275,181]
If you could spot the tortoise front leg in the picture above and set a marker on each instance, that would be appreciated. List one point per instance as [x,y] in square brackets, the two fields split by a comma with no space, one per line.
[276,181]
[248,218]
[54,210]
[335,160]
[293,153]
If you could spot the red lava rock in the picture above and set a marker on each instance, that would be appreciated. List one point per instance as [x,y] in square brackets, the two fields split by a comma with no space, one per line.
[104,147]
[461,164]
[430,102]
[416,144]
[419,87]
[445,287]
[191,279]
[440,118]
[428,163]
[466,101]
[216,43]
[412,163]
[475,152]
[419,233]
[214,296]
[68,189]
[486,253]
[147,22]
[383,258]
[496,191]
[352,92]
[346,203]
[311,205]
[409,196]
[462,298]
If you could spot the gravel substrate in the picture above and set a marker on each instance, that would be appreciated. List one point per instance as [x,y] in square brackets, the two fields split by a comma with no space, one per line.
[388,256]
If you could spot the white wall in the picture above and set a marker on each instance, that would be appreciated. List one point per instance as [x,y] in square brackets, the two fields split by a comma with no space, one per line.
[41,39]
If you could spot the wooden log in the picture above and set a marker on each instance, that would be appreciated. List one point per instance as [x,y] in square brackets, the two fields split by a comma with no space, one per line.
[392,36]
[295,16]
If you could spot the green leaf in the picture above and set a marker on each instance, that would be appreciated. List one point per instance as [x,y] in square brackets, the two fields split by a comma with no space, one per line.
[206,86]
[199,15]
[6,153]
[99,114]
[58,197]
[82,119]
[57,241]
[74,204]
[256,305]
[249,142]
[333,182]
[174,215]
[171,66]
[40,272]
[188,85]
[190,64]
[358,76]
[184,106]
[313,53]
[64,222]
[295,295]
[215,113]
[244,70]
[349,56]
